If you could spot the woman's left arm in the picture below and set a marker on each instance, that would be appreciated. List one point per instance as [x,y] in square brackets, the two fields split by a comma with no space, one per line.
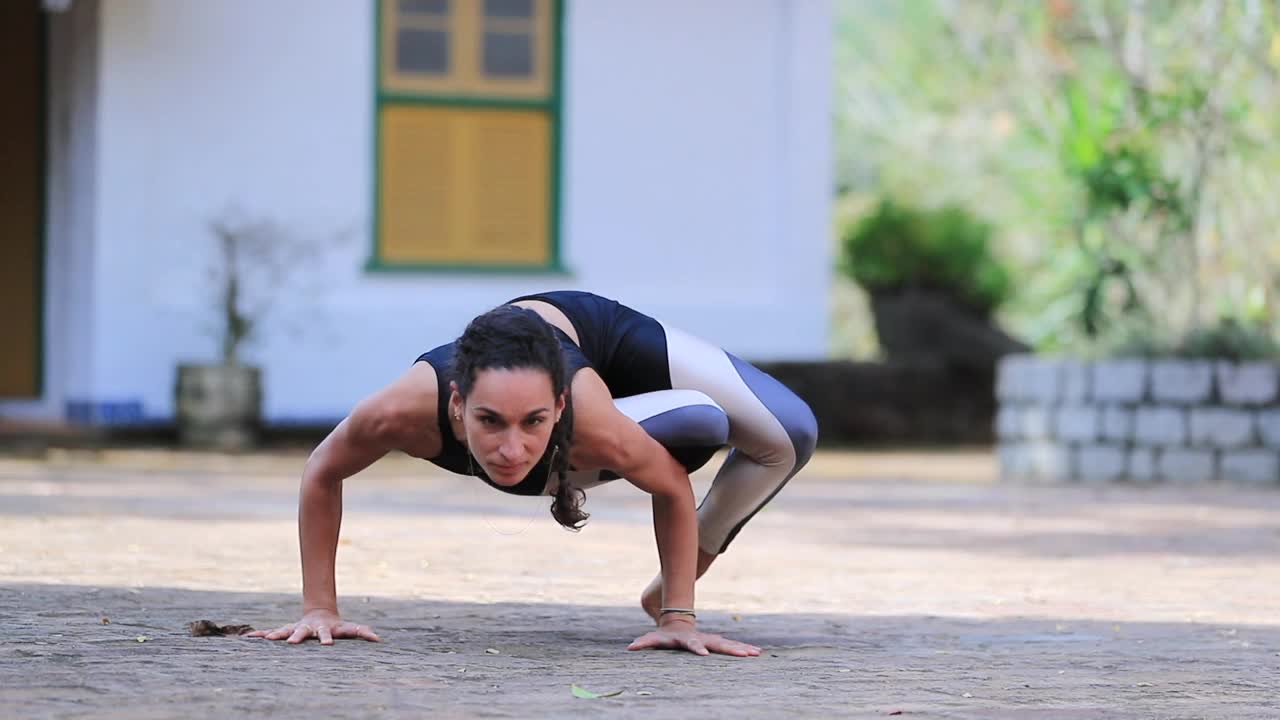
[605,438]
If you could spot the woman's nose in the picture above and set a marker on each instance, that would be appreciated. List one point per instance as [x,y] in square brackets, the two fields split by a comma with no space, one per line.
[512,449]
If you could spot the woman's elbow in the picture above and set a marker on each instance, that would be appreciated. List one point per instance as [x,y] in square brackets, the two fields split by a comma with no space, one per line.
[655,470]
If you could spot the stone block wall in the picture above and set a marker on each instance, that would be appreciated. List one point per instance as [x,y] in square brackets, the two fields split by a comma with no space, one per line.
[1178,421]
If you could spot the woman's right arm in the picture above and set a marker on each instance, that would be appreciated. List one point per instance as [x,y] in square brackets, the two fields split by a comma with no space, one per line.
[347,450]
[394,418]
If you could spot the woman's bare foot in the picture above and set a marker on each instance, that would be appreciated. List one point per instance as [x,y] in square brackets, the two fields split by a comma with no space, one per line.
[651,599]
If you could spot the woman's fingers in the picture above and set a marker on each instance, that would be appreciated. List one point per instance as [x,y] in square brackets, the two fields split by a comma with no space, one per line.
[644,642]
[279,633]
[325,633]
[728,647]
[300,632]
[351,630]
[656,639]
[694,645]
[695,642]
[733,647]
[724,646]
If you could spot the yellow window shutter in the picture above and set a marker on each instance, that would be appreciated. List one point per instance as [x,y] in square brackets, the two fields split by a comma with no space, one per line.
[465,186]
[419,165]
[510,197]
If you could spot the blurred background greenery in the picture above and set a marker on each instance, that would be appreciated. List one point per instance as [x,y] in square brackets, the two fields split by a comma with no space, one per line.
[1101,172]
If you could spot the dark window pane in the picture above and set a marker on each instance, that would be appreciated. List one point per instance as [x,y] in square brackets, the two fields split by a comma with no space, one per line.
[422,51]
[508,8]
[508,54]
[424,7]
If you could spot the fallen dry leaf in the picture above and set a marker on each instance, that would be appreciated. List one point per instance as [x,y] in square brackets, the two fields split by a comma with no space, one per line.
[208,628]
[588,695]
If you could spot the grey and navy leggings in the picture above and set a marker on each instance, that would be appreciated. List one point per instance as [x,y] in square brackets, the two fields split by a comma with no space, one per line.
[717,400]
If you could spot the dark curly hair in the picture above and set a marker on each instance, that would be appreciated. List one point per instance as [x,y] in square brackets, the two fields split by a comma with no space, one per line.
[509,338]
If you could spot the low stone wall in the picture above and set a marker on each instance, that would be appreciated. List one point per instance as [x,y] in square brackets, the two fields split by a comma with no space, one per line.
[1185,421]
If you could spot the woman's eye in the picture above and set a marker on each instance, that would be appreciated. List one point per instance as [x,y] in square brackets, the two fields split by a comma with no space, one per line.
[488,420]
[534,421]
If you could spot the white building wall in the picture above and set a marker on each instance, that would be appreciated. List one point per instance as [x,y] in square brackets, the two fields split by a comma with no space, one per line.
[695,185]
[698,155]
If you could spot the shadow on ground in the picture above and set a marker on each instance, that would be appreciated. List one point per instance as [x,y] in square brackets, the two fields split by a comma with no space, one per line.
[60,659]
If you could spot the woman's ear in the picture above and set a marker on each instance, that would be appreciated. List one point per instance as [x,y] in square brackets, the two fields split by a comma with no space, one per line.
[560,404]
[455,401]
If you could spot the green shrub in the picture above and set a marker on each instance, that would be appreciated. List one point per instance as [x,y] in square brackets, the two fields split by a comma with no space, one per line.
[898,247]
[1228,339]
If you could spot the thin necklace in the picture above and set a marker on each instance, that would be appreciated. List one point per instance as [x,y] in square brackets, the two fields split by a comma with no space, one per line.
[471,469]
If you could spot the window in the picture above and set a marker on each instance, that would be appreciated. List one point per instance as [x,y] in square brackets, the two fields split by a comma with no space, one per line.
[466,135]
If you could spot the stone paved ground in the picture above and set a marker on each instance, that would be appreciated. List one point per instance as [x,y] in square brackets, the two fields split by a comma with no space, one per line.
[879,583]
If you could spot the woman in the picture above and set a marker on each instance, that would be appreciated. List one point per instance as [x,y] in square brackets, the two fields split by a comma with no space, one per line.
[524,399]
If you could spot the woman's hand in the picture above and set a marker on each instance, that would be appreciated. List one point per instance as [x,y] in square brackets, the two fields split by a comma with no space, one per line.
[683,634]
[324,625]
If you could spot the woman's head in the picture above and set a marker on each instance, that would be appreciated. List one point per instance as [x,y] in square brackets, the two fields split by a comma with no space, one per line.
[510,391]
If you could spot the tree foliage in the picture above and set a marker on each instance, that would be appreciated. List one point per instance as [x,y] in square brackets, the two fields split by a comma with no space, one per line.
[1123,147]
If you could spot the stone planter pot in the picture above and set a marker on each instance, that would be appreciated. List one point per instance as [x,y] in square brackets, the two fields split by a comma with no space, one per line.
[219,407]
[928,326]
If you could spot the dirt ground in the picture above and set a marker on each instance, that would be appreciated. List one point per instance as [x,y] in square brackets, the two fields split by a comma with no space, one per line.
[879,584]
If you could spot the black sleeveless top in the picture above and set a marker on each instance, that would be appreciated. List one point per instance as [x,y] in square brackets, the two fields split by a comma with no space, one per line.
[626,348]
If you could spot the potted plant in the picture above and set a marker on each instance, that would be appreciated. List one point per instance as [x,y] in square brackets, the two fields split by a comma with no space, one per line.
[934,284]
[219,404]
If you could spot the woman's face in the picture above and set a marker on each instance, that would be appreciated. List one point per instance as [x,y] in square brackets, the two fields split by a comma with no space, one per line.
[507,420]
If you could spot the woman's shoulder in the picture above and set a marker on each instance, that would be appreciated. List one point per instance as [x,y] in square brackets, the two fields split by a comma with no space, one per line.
[408,410]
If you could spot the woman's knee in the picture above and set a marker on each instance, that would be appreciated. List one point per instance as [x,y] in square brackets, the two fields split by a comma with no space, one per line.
[795,444]
[792,413]
[803,430]
[797,419]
